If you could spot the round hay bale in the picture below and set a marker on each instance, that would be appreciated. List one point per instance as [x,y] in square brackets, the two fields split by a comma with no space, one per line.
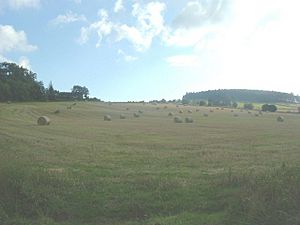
[57,111]
[280,119]
[190,111]
[136,115]
[122,117]
[43,120]
[232,110]
[205,115]
[189,120]
[107,118]
[180,111]
[177,119]
[170,114]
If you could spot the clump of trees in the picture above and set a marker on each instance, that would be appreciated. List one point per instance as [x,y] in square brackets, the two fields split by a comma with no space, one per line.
[20,84]
[248,106]
[269,108]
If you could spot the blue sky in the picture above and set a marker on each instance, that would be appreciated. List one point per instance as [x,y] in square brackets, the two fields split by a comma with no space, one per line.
[144,50]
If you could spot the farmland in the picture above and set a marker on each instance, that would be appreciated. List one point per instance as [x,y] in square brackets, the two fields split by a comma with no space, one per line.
[220,169]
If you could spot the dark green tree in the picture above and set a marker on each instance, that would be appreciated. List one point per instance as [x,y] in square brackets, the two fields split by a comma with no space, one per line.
[80,92]
[248,106]
[50,92]
[269,108]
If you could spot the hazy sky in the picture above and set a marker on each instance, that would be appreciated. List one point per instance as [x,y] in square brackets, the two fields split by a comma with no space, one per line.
[144,50]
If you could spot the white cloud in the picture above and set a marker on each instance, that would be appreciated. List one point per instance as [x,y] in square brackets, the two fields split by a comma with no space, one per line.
[18,4]
[69,17]
[184,61]
[25,63]
[103,27]
[257,46]
[126,57]
[118,6]
[12,40]
[149,23]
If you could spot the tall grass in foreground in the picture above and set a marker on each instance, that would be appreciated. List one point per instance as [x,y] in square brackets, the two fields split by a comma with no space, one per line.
[270,198]
[37,196]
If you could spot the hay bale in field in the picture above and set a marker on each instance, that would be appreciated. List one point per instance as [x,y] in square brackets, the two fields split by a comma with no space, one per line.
[236,115]
[170,114]
[8,102]
[280,119]
[190,111]
[205,114]
[122,116]
[232,111]
[177,119]
[57,111]
[107,118]
[43,120]
[180,111]
[217,108]
[222,108]
[165,107]
[136,115]
[189,120]
[211,111]
[197,110]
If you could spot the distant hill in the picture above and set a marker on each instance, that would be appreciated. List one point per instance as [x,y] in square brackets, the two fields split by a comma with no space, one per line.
[228,96]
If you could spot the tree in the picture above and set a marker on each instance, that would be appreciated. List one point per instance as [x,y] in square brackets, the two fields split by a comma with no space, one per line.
[202,103]
[269,108]
[234,105]
[248,106]
[51,92]
[80,92]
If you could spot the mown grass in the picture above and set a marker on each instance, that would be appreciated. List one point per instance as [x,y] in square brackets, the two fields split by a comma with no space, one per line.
[149,170]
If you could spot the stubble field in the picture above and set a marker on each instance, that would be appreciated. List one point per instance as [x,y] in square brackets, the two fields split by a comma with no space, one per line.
[221,169]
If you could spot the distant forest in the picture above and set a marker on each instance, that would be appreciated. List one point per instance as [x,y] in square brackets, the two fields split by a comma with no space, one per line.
[20,84]
[227,97]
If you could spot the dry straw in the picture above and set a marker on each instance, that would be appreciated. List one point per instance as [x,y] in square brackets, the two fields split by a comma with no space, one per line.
[189,120]
[177,119]
[280,119]
[107,118]
[43,120]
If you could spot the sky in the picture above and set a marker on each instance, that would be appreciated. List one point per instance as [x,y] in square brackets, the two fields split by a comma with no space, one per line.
[134,50]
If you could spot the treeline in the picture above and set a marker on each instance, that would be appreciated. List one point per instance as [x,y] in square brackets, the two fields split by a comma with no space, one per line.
[20,84]
[227,97]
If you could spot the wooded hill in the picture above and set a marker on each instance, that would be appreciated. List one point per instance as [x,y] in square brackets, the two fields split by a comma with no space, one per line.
[229,96]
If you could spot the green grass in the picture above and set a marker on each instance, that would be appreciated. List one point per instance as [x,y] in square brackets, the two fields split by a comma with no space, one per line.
[81,169]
